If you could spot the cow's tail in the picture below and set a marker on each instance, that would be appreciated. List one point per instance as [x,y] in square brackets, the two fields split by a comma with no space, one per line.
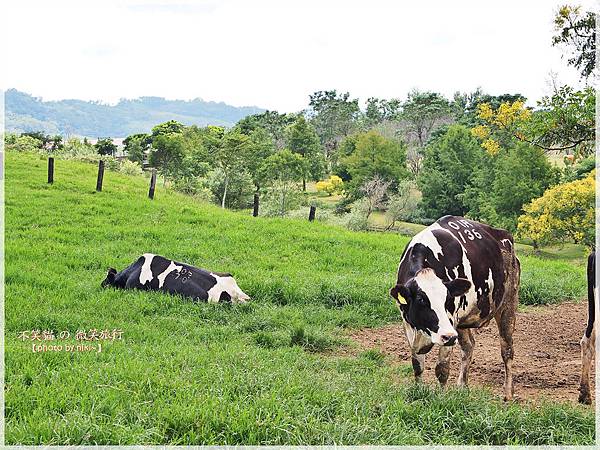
[591,284]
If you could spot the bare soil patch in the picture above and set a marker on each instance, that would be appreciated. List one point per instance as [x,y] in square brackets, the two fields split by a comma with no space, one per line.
[547,355]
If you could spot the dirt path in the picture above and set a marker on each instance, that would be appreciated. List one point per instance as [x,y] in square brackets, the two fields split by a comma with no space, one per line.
[547,356]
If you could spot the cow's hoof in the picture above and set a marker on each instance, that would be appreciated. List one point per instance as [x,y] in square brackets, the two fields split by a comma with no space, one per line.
[584,396]
[510,398]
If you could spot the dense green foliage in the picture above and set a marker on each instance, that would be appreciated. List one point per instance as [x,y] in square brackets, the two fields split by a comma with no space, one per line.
[448,169]
[263,373]
[374,156]
[502,184]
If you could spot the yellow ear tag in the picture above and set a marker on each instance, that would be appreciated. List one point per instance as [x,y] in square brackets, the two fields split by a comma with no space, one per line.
[401,299]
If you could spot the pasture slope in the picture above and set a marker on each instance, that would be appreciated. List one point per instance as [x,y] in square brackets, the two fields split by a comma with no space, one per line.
[269,372]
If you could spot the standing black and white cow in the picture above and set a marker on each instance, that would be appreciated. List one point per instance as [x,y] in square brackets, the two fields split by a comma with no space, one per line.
[153,272]
[588,341]
[454,276]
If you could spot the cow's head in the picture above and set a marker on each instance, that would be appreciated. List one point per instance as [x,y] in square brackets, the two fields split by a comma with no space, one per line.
[232,291]
[422,301]
[110,278]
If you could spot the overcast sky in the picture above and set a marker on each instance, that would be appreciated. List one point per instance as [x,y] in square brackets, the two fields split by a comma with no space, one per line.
[273,54]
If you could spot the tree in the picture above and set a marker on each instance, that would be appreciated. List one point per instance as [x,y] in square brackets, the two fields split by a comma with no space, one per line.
[136,146]
[522,174]
[374,192]
[380,110]
[282,171]
[197,160]
[422,113]
[260,147]
[564,121]
[272,122]
[169,127]
[105,146]
[334,117]
[239,188]
[228,154]
[168,152]
[466,105]
[503,183]
[564,213]
[302,139]
[373,156]
[448,166]
[576,30]
[401,204]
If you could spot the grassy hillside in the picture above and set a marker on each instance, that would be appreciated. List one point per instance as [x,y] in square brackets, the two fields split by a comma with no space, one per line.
[268,372]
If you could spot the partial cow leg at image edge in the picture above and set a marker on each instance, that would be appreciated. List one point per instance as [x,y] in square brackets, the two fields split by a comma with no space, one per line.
[506,326]
[588,351]
[466,341]
[442,368]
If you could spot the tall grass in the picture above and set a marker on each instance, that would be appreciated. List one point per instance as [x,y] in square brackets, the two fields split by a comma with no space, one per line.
[188,373]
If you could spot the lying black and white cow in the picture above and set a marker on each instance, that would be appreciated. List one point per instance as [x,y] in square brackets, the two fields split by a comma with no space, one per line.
[588,341]
[153,272]
[456,275]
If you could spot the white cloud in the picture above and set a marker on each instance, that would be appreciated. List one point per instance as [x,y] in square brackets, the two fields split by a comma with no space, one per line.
[274,54]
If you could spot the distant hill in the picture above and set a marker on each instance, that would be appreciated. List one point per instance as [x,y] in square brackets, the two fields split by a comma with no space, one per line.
[94,119]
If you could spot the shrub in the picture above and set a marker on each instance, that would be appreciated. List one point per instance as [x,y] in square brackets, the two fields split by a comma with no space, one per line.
[130,168]
[333,185]
[111,163]
[272,205]
[17,143]
[358,218]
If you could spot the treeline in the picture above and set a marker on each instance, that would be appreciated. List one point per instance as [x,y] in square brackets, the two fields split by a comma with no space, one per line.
[417,158]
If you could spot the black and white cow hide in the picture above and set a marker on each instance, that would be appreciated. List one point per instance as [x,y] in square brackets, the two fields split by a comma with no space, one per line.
[153,272]
[454,276]
[588,341]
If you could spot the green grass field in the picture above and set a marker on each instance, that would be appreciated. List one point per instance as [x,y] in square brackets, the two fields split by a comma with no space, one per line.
[269,372]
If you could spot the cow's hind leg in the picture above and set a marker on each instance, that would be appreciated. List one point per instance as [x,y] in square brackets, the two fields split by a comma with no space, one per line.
[506,325]
[587,355]
[442,368]
[467,342]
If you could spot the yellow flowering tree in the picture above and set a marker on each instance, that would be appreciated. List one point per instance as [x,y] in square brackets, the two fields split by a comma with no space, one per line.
[333,185]
[509,118]
[564,213]
[564,121]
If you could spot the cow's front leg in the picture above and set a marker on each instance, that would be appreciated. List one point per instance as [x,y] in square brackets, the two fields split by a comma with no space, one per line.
[587,355]
[442,368]
[466,342]
[506,326]
[418,364]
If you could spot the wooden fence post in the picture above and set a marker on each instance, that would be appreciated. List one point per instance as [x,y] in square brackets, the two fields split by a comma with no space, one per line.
[51,170]
[152,184]
[311,213]
[255,210]
[100,175]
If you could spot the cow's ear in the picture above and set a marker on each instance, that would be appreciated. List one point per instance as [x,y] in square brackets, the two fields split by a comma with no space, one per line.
[400,293]
[110,276]
[458,287]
